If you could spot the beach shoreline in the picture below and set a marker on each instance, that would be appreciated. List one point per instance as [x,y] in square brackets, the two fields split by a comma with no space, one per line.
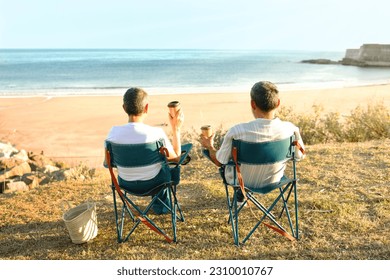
[155,91]
[73,128]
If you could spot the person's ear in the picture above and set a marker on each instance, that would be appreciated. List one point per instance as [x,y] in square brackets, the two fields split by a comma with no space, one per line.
[253,105]
[124,108]
[146,109]
[277,106]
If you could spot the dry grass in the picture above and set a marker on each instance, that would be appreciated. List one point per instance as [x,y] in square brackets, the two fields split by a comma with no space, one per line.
[344,214]
[362,124]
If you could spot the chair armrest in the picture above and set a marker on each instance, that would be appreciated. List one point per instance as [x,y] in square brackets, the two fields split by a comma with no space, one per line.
[185,148]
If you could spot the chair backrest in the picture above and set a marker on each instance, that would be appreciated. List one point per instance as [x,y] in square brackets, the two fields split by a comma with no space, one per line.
[135,155]
[264,152]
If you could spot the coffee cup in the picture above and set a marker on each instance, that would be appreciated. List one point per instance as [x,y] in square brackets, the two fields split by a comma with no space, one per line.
[173,107]
[207,131]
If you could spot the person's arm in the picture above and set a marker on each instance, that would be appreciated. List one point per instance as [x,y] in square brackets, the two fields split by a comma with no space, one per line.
[208,143]
[176,123]
[300,152]
[105,147]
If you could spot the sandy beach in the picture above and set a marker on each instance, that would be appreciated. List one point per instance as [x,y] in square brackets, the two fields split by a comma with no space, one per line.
[73,129]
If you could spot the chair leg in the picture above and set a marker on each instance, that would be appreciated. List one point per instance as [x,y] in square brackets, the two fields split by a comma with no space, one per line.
[292,187]
[177,205]
[142,215]
[267,213]
[296,210]
[118,231]
[233,217]
[287,210]
[119,222]
[147,221]
[173,214]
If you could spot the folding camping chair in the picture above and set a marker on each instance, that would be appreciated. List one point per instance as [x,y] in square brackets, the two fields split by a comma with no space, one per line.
[127,208]
[262,154]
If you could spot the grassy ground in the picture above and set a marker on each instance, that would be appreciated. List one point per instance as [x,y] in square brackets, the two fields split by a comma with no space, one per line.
[344,200]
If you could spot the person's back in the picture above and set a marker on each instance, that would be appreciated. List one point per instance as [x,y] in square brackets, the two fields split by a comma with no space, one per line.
[136,106]
[256,131]
[265,127]
[138,133]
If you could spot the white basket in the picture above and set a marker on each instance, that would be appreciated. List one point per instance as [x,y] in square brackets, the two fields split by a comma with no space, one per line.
[81,222]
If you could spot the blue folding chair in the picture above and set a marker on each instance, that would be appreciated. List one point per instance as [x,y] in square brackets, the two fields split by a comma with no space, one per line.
[126,208]
[262,154]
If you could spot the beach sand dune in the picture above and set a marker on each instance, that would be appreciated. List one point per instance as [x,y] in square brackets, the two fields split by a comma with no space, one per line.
[74,128]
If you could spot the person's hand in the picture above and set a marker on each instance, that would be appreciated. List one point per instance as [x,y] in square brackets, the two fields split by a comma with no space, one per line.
[207,142]
[176,121]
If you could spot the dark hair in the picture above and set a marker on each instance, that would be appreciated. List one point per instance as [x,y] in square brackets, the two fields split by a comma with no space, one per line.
[266,96]
[134,101]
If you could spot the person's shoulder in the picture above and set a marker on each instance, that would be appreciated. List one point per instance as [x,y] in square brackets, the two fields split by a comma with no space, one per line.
[284,123]
[152,129]
[240,126]
[286,127]
[117,128]
[113,129]
[154,133]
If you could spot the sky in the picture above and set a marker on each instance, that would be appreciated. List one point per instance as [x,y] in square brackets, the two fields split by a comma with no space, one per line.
[325,25]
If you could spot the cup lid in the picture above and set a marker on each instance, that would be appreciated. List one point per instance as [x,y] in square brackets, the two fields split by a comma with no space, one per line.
[173,104]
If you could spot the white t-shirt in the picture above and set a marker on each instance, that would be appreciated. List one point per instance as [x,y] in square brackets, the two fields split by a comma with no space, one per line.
[137,133]
[258,130]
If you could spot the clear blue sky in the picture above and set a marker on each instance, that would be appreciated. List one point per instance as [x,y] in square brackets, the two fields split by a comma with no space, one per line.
[228,24]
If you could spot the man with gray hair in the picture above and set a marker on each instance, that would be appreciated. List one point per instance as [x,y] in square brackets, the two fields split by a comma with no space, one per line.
[136,106]
[266,127]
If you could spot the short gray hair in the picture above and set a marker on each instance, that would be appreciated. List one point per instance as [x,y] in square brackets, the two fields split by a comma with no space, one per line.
[265,95]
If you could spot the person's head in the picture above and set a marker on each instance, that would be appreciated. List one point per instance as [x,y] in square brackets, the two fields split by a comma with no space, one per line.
[135,101]
[265,96]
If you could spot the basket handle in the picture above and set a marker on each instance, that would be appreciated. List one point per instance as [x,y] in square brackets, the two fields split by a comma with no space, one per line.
[64,204]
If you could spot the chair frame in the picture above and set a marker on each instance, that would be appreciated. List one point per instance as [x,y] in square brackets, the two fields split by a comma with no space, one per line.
[286,187]
[125,207]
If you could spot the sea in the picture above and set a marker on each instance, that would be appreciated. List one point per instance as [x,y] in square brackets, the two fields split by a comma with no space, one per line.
[59,72]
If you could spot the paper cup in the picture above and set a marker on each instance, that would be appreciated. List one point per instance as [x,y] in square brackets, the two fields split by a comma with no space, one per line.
[207,131]
[173,107]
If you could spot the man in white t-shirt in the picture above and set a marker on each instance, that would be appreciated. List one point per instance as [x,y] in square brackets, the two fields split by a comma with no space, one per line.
[266,127]
[135,104]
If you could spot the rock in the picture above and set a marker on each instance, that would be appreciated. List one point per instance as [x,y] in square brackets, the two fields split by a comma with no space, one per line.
[320,61]
[6,150]
[38,162]
[16,186]
[44,180]
[8,163]
[353,62]
[16,171]
[22,155]
[50,169]
[58,175]
[34,170]
[31,180]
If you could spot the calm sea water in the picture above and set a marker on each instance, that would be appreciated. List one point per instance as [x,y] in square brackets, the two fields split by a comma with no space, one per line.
[110,72]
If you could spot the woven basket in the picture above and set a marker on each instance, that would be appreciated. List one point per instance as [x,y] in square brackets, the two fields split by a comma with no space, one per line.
[81,222]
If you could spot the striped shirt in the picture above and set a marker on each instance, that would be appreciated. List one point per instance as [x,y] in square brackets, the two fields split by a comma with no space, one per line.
[258,130]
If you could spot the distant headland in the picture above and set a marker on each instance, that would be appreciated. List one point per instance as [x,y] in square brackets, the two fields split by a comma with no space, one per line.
[368,55]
